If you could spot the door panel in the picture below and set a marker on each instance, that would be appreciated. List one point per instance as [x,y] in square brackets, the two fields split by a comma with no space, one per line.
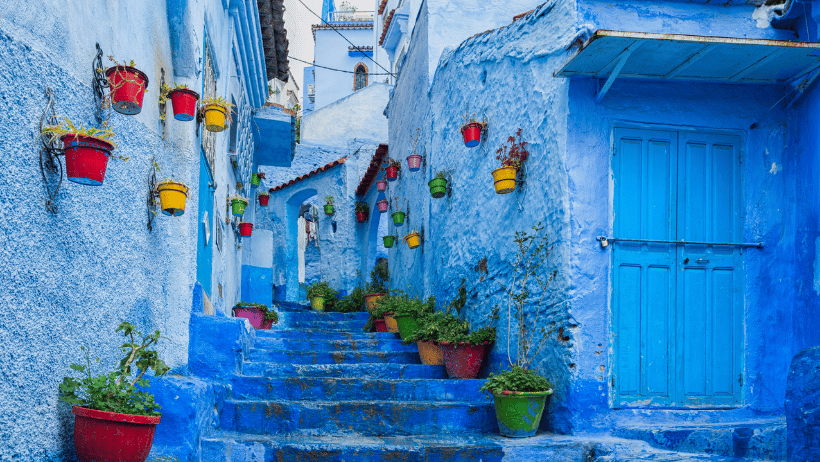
[204,253]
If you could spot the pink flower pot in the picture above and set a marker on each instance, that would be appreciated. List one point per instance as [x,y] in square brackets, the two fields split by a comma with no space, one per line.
[414,162]
[382,204]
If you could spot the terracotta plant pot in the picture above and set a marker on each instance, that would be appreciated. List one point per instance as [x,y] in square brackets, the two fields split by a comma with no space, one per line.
[382,205]
[391,173]
[101,436]
[414,162]
[398,218]
[381,185]
[183,101]
[172,196]
[254,315]
[329,209]
[263,199]
[86,159]
[504,179]
[361,217]
[128,86]
[519,413]
[462,360]
[389,241]
[438,187]
[245,229]
[370,300]
[380,325]
[430,353]
[472,134]
[392,325]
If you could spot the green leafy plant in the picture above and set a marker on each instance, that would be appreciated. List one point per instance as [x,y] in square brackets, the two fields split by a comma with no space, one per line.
[67,128]
[352,302]
[329,200]
[270,315]
[122,390]
[362,206]
[379,278]
[394,163]
[516,379]
[437,325]
[404,305]
[322,289]
[485,335]
[471,118]
[442,174]
[221,102]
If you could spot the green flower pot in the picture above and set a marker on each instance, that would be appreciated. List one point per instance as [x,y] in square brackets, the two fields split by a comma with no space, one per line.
[407,325]
[398,218]
[255,180]
[317,303]
[519,413]
[438,187]
[328,209]
[238,207]
[389,241]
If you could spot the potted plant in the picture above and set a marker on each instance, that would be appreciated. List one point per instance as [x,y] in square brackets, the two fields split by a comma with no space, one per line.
[383,309]
[238,204]
[413,239]
[389,241]
[391,172]
[398,215]
[353,302]
[321,296]
[329,210]
[406,310]
[472,129]
[438,185]
[377,287]
[511,161]
[427,336]
[382,204]
[217,112]
[183,101]
[362,210]
[115,418]
[264,197]
[86,151]
[464,352]
[257,178]
[258,314]
[414,160]
[245,228]
[128,86]
[381,185]
[172,196]
[519,393]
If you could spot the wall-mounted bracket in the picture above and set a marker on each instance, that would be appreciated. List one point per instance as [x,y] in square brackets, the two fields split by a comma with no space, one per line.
[620,62]
[51,148]
[100,84]
[163,100]
[153,194]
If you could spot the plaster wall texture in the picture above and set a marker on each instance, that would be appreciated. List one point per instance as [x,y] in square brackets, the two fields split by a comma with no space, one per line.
[93,264]
[803,406]
[332,51]
[360,113]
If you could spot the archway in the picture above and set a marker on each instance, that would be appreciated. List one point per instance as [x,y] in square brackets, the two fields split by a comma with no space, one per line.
[294,204]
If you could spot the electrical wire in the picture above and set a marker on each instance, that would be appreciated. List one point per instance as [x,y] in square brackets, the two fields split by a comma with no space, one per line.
[337,70]
[348,41]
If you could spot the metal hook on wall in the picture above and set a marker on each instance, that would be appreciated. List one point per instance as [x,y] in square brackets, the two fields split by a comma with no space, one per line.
[51,148]
[99,83]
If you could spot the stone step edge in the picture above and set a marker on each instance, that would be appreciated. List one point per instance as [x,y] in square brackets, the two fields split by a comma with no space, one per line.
[271,350]
[357,401]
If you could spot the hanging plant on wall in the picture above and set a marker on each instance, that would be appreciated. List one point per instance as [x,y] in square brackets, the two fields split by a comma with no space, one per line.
[257,178]
[362,211]
[217,113]
[238,205]
[389,241]
[512,159]
[264,197]
[172,197]
[413,239]
[391,172]
[414,160]
[398,215]
[183,101]
[127,85]
[329,209]
[438,185]
[381,185]
[86,151]
[245,228]
[382,205]
[472,129]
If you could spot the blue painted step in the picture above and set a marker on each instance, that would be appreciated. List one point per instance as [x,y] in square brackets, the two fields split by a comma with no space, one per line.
[318,334]
[349,326]
[333,345]
[322,316]
[363,417]
[373,371]
[334,357]
[349,389]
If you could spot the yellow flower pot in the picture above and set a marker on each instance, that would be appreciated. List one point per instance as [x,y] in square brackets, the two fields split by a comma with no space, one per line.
[392,325]
[504,178]
[214,117]
[317,303]
[430,353]
[413,240]
[371,299]
[172,196]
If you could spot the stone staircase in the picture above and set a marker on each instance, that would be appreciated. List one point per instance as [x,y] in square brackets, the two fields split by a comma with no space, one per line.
[321,389]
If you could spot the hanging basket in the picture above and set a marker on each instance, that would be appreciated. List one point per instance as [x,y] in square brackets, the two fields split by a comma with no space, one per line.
[86,158]
[215,117]
[389,241]
[413,240]
[398,218]
[103,436]
[381,185]
[438,187]
[391,173]
[472,134]
[263,199]
[172,196]
[361,217]
[414,162]
[238,205]
[128,86]
[382,204]
[329,209]
[245,229]
[183,101]
[504,179]
[256,178]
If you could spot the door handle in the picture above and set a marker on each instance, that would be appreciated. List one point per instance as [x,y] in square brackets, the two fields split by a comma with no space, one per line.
[686,261]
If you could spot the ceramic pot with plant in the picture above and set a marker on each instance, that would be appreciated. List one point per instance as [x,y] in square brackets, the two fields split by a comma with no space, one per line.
[362,211]
[382,205]
[472,129]
[383,310]
[512,159]
[258,314]
[464,353]
[399,215]
[389,241]
[381,185]
[329,209]
[257,178]
[183,101]
[391,172]
[431,326]
[115,418]
[127,85]
[413,239]
[217,113]
[172,197]
[377,287]
[245,228]
[406,310]
[264,197]
[321,296]
[438,185]
[238,205]
[86,151]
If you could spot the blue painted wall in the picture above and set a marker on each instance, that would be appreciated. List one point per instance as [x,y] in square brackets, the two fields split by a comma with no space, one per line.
[331,51]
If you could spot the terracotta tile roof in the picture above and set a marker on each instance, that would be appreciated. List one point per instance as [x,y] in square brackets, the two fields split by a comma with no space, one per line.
[372,170]
[519,16]
[355,25]
[382,5]
[386,25]
[307,175]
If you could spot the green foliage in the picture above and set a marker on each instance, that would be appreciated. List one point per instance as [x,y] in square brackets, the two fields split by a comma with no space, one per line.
[329,200]
[404,305]
[322,289]
[516,379]
[362,206]
[476,337]
[437,325]
[117,391]
[270,315]
[66,127]
[460,300]
[353,302]
[378,280]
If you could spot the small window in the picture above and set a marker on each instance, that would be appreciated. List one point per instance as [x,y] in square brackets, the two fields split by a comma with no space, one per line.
[234,126]
[360,78]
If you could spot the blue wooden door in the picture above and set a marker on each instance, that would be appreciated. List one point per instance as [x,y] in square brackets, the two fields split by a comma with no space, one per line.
[677,309]
[204,251]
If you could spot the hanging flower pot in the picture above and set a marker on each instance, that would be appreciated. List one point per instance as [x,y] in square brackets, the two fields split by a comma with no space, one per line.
[371,299]
[430,353]
[414,162]
[217,113]
[329,209]
[382,204]
[504,179]
[438,187]
[391,173]
[407,324]
[389,241]
[183,101]
[256,316]
[413,240]
[471,132]
[102,436]
[172,196]
[380,325]
[317,303]
[381,185]
[263,199]
[398,218]
[245,229]
[128,86]
[361,217]
[519,413]
[86,158]
[257,178]
[362,210]
[238,205]
[392,325]
[462,360]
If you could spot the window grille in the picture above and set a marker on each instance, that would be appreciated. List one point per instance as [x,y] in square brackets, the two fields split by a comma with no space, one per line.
[208,139]
[360,77]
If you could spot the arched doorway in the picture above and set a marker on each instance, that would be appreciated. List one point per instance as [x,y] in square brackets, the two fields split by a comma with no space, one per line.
[303,262]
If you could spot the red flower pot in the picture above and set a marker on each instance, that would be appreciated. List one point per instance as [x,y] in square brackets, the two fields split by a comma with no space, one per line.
[245,229]
[127,88]
[414,162]
[380,325]
[101,436]
[263,200]
[382,204]
[391,173]
[462,360]
[254,315]
[86,158]
[184,102]
[381,185]
[472,134]
[361,217]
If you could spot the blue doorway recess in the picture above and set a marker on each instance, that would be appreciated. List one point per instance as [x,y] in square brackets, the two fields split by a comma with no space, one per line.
[204,244]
